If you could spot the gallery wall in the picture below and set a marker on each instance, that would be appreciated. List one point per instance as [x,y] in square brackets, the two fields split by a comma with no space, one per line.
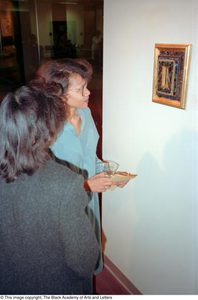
[150,226]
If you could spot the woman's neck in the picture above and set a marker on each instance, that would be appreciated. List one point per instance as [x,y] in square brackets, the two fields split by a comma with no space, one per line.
[73,113]
[75,119]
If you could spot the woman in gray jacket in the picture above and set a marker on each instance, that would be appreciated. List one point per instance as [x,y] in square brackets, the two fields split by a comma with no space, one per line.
[47,245]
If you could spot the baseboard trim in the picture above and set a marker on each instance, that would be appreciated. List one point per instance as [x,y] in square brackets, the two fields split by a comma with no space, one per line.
[120,277]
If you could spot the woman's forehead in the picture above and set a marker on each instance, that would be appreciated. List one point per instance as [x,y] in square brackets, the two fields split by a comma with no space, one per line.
[76,79]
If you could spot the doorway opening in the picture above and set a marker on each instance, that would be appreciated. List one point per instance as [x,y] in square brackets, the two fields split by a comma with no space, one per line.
[34,31]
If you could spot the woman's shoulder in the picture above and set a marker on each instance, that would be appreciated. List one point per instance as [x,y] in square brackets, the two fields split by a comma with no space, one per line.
[64,181]
[60,170]
[57,176]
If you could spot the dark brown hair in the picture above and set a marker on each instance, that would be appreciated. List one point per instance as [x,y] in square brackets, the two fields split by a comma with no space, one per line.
[59,71]
[30,119]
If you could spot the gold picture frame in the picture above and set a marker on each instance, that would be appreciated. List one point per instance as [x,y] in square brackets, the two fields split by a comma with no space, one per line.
[170,74]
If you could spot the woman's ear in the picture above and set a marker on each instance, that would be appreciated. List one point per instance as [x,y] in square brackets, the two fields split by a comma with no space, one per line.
[67,108]
[64,98]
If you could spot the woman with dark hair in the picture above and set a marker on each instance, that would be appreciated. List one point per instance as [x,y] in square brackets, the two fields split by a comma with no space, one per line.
[47,243]
[77,142]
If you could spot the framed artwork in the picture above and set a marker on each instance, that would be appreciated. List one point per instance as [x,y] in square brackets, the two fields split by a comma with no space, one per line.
[170,74]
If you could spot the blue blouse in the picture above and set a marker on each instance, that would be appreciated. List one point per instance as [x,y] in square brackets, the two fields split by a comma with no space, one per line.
[80,150]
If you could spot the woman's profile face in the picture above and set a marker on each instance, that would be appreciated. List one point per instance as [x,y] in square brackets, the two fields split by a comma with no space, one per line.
[77,95]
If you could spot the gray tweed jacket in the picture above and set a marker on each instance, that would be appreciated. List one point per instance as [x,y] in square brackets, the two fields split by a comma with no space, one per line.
[47,245]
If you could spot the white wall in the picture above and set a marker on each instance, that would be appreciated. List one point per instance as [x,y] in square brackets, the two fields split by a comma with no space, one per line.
[151,225]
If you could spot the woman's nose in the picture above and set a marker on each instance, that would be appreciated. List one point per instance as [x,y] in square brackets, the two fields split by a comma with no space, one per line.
[86,92]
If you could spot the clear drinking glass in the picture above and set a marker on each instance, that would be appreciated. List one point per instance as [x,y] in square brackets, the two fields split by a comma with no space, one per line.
[109,167]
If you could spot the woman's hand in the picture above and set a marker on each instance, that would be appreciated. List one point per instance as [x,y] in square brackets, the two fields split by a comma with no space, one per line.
[98,183]
[121,184]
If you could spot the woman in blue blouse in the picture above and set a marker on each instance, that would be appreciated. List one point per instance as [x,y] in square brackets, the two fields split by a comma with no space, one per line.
[77,142]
